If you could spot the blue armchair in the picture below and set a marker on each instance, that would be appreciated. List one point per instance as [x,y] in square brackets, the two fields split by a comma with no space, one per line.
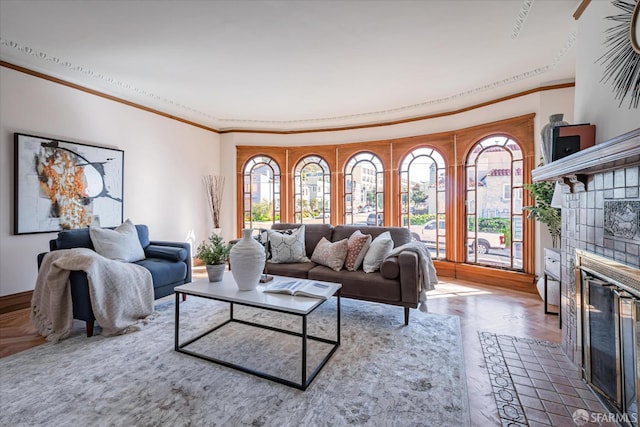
[168,262]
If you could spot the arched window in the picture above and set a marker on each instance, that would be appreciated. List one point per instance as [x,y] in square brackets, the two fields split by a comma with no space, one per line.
[312,191]
[261,192]
[364,190]
[422,198]
[494,214]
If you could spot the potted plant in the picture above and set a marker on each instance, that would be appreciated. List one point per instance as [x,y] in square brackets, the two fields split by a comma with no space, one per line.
[542,193]
[214,252]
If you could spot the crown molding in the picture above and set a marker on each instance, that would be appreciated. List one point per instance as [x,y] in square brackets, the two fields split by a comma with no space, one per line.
[284,132]
[102,95]
[409,120]
[229,124]
[521,18]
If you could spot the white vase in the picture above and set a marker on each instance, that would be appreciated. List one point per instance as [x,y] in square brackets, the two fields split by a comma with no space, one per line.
[247,259]
[555,120]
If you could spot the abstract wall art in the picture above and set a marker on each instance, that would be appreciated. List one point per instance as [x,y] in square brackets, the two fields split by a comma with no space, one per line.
[65,185]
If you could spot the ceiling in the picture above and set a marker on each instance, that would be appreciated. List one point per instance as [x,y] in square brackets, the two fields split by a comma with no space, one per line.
[292,65]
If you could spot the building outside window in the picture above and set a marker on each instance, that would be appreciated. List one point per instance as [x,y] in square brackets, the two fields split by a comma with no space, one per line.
[364,188]
[494,203]
[261,192]
[312,191]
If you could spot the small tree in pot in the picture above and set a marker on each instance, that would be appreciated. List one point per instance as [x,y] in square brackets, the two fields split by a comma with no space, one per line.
[214,252]
[542,193]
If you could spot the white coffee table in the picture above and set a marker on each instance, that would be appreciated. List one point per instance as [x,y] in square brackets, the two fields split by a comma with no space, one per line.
[227,291]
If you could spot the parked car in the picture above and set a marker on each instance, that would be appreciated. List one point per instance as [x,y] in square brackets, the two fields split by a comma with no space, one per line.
[371,219]
[485,240]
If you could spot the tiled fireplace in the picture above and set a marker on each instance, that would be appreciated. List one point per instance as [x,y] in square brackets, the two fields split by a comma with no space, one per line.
[592,220]
[600,216]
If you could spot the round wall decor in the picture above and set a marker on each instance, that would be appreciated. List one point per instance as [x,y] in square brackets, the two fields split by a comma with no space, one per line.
[622,60]
[634,34]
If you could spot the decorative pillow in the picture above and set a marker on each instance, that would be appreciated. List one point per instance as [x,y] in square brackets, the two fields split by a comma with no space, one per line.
[378,251]
[358,246]
[287,248]
[120,244]
[170,253]
[68,239]
[330,254]
[263,238]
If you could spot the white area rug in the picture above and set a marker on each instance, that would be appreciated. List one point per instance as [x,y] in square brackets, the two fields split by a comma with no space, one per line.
[384,373]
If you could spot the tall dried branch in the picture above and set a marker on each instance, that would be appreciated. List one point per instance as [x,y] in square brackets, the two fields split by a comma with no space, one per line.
[214,186]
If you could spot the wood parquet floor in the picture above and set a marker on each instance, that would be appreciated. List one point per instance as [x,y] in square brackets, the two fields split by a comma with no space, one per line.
[480,308]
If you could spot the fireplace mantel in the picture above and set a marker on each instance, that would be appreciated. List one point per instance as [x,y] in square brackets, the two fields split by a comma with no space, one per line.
[619,152]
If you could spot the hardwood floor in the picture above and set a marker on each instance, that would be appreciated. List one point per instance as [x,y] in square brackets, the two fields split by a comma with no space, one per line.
[480,308]
[16,332]
[491,309]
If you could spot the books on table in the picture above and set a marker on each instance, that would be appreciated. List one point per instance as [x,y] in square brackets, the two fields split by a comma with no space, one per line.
[302,287]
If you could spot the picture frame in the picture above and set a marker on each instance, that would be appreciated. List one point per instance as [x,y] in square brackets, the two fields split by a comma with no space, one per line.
[65,185]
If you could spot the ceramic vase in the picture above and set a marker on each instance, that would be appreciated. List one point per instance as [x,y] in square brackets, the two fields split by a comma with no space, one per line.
[215,272]
[555,120]
[247,260]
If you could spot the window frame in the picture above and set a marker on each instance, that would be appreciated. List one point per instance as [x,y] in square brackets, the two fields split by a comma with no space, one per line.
[298,169]
[454,146]
[250,165]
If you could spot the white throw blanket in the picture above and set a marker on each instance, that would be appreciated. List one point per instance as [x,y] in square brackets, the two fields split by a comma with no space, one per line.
[426,271]
[121,293]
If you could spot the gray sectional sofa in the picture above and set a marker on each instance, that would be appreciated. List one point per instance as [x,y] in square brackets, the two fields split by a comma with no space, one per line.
[396,282]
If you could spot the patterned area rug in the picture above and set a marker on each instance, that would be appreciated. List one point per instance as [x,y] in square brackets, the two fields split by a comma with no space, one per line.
[382,374]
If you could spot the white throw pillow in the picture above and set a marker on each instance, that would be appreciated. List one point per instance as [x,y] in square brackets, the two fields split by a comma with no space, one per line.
[120,244]
[378,251]
[329,254]
[287,248]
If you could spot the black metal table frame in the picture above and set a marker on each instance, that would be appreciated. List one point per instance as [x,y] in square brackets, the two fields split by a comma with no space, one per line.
[305,381]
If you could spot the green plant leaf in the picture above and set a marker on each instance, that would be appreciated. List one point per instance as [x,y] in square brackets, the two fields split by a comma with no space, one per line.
[542,194]
[213,250]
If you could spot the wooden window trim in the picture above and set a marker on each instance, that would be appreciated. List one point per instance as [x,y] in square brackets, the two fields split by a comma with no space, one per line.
[454,147]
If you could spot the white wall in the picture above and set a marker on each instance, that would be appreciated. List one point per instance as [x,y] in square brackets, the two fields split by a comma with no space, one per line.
[164,160]
[595,102]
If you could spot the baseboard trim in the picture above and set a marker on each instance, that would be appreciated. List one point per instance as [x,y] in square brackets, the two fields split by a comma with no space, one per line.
[13,302]
[494,277]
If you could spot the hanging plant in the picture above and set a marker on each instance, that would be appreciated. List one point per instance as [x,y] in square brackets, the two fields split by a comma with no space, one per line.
[542,193]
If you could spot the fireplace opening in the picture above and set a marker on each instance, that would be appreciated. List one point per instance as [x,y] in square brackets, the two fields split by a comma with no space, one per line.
[601,351]
[609,300]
